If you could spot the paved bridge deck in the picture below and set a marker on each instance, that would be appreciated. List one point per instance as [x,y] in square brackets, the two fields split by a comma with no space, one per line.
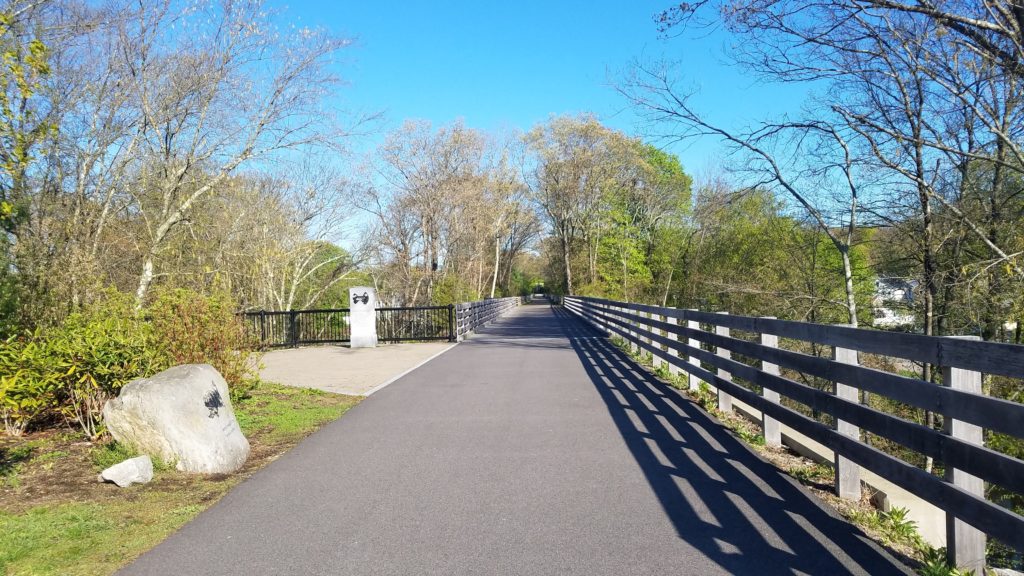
[535,447]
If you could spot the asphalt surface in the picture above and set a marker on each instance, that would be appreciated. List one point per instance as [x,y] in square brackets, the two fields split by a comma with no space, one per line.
[533,448]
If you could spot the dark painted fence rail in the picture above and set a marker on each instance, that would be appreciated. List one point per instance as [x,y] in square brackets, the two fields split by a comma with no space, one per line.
[472,315]
[699,344]
[394,324]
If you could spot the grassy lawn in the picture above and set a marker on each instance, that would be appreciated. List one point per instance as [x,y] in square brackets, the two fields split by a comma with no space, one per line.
[55,518]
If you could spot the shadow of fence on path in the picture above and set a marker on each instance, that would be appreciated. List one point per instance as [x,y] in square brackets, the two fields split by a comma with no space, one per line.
[723,500]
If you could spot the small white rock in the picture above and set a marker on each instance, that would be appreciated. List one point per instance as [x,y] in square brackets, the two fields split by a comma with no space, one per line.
[138,470]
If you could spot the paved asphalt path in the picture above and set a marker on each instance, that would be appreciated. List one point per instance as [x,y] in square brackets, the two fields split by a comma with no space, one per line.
[532,448]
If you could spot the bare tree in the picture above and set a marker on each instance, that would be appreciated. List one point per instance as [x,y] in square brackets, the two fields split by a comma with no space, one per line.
[573,164]
[653,90]
[227,90]
[892,69]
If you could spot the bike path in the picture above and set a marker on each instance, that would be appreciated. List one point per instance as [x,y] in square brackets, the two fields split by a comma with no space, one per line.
[533,448]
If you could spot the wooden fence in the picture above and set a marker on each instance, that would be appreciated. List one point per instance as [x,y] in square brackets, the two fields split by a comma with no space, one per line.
[472,315]
[699,342]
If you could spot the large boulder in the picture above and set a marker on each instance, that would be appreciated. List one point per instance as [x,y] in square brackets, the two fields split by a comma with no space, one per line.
[182,415]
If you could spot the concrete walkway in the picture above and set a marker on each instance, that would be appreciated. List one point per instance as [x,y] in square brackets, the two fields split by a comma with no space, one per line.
[343,370]
[533,448]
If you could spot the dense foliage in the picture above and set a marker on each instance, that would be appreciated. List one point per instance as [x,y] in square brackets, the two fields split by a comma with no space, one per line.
[66,373]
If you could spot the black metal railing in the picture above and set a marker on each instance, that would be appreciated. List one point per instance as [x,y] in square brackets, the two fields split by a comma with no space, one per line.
[296,327]
[404,324]
[396,324]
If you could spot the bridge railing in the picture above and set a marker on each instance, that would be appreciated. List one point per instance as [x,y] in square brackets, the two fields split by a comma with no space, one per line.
[700,344]
[469,316]
[394,324]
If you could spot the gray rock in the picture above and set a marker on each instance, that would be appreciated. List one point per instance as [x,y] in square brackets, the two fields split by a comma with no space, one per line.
[138,470]
[181,415]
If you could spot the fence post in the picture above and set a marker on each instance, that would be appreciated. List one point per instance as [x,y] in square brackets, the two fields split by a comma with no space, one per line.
[770,427]
[724,400]
[633,326]
[263,327]
[847,472]
[693,343]
[451,323]
[656,361]
[965,544]
[293,333]
[672,351]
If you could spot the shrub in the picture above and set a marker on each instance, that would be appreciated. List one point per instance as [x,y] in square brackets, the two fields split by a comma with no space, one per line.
[97,352]
[191,328]
[69,371]
[28,383]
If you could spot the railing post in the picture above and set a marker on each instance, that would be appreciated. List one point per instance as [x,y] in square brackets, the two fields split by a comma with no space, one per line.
[263,327]
[693,343]
[965,544]
[633,346]
[655,360]
[672,351]
[847,472]
[724,399]
[451,323]
[770,427]
[293,337]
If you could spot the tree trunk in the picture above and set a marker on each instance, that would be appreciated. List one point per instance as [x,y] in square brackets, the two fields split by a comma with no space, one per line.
[565,262]
[851,300]
[992,320]
[931,290]
[497,260]
[145,279]
[668,286]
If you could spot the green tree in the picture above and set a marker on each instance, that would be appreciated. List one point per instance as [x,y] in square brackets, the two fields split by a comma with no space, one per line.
[24,125]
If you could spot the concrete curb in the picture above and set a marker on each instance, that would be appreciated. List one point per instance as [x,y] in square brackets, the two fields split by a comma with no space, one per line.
[930,519]
[393,378]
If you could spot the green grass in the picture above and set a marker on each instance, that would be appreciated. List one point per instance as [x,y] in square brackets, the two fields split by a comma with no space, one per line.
[894,526]
[280,413]
[13,460]
[814,473]
[104,528]
[89,538]
[106,455]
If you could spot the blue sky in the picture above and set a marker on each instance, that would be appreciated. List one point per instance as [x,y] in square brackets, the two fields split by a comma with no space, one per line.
[513,64]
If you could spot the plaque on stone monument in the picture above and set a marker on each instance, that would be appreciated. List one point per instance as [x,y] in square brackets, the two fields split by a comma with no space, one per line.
[362,305]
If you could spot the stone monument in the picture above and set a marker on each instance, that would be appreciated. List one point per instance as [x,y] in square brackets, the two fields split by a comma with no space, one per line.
[362,304]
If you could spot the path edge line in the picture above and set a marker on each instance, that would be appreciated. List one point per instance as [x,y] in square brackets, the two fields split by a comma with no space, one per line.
[403,374]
